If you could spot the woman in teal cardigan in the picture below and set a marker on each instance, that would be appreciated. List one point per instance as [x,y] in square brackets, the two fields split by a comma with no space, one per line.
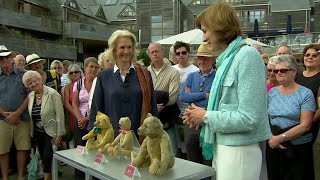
[236,119]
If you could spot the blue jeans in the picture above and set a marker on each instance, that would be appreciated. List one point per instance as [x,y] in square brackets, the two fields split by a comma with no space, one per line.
[173,137]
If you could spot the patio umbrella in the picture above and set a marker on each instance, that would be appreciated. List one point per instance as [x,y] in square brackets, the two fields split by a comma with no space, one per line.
[192,37]
[289,25]
[256,27]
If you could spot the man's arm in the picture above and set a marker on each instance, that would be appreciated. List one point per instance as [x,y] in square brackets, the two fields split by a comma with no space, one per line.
[174,88]
[14,117]
[190,97]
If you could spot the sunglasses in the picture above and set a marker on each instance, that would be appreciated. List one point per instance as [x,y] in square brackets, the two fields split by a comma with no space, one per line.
[201,86]
[311,55]
[74,72]
[181,53]
[282,71]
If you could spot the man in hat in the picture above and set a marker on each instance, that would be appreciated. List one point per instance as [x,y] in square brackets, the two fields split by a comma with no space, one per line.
[50,78]
[14,118]
[166,82]
[196,90]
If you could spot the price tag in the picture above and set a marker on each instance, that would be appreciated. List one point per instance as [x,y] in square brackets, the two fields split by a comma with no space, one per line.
[131,171]
[81,150]
[100,158]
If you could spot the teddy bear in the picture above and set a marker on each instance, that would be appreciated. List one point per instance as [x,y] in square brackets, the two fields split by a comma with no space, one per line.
[123,143]
[155,151]
[101,134]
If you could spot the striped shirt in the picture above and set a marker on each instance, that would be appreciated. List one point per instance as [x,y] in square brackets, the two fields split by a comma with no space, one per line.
[36,117]
[166,79]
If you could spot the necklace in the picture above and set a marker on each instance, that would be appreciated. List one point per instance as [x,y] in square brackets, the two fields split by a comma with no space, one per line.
[38,96]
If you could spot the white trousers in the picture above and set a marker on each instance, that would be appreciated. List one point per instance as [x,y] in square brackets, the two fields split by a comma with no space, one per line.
[238,162]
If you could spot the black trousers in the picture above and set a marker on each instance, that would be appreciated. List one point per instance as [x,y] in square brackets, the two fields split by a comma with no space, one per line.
[194,151]
[297,165]
[44,145]
[77,137]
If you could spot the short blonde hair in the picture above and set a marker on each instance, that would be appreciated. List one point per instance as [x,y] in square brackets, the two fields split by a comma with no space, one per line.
[113,42]
[56,63]
[106,55]
[29,75]
[222,19]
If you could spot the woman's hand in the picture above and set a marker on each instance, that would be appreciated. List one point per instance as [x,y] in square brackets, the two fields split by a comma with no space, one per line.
[193,116]
[58,140]
[82,122]
[275,142]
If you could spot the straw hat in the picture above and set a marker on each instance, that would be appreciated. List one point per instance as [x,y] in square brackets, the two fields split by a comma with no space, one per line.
[4,51]
[205,50]
[33,58]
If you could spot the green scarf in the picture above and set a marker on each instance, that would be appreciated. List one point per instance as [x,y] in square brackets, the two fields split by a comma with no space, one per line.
[223,63]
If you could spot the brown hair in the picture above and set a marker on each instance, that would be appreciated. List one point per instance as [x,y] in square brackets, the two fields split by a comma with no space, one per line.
[222,20]
[310,46]
[89,60]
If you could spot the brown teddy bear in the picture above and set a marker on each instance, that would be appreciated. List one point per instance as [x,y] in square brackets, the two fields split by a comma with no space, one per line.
[155,151]
[123,143]
[101,134]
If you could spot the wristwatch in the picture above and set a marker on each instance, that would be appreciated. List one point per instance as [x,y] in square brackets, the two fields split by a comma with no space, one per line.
[284,137]
[205,118]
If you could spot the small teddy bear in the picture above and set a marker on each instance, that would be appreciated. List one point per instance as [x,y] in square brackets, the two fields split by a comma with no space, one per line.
[101,134]
[123,143]
[156,150]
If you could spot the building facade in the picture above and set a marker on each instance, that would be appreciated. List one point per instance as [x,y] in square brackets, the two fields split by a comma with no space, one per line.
[63,29]
[158,19]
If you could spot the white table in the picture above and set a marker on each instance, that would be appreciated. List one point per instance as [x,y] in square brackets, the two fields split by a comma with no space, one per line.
[115,167]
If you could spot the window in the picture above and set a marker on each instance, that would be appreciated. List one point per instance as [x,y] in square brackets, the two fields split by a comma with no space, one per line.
[127,1]
[128,12]
[72,4]
[200,2]
[111,2]
[160,28]
[258,14]
[185,25]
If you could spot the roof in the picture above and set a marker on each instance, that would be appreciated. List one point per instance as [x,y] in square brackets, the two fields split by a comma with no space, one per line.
[112,11]
[289,5]
[38,3]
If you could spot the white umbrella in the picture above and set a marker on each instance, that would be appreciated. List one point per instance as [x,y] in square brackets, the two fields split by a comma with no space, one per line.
[192,37]
[250,41]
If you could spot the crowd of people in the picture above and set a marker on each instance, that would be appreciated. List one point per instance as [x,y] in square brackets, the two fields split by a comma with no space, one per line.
[243,111]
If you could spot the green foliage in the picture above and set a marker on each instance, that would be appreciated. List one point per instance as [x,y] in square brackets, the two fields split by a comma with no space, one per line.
[144,57]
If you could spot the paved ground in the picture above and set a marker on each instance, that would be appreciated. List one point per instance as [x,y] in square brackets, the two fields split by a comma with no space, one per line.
[67,173]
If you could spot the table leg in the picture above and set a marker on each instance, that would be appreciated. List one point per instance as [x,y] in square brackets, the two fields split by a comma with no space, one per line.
[54,168]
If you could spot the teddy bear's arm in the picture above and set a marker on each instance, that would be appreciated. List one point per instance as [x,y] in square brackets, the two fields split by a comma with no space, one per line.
[116,140]
[89,135]
[107,138]
[165,152]
[128,141]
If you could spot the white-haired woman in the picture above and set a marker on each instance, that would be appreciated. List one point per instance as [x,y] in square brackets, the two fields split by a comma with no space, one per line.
[124,90]
[44,105]
[271,77]
[104,60]
[291,111]
[74,74]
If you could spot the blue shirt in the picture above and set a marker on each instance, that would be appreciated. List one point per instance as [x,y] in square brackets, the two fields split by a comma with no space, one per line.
[194,81]
[285,109]
[13,92]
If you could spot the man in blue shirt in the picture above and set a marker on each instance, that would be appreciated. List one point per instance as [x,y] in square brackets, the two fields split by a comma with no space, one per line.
[196,89]
[14,118]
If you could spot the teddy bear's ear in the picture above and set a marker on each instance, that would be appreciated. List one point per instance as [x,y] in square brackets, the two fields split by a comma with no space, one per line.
[148,115]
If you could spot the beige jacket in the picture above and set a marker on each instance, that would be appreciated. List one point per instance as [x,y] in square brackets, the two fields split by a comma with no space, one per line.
[51,108]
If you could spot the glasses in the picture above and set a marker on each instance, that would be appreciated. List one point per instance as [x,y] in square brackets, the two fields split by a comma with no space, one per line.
[282,71]
[311,55]
[181,53]
[201,86]
[74,72]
